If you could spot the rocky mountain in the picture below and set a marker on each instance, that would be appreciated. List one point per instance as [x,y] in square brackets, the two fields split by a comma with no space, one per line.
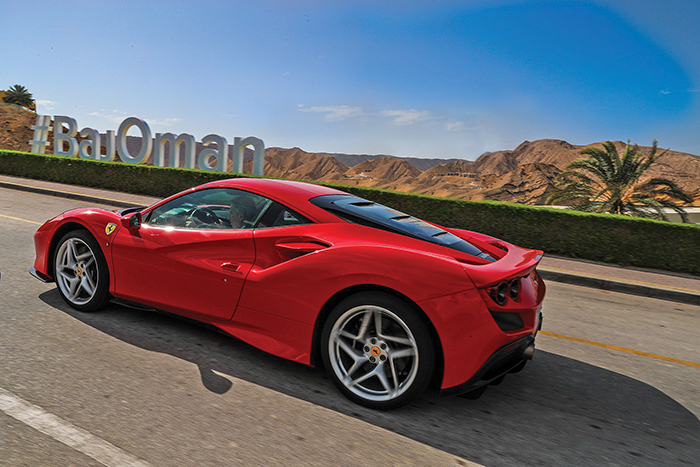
[419,163]
[682,168]
[16,128]
[301,165]
[383,169]
[524,175]
[546,151]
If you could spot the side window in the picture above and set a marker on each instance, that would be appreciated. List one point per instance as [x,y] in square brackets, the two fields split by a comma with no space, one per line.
[214,208]
[279,216]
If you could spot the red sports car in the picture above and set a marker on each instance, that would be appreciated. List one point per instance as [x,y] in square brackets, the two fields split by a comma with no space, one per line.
[387,303]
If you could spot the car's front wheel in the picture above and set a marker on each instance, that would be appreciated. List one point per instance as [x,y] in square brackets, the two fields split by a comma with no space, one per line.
[81,272]
[377,350]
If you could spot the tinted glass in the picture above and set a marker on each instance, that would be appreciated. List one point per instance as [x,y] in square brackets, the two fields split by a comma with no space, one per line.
[278,215]
[215,208]
[361,211]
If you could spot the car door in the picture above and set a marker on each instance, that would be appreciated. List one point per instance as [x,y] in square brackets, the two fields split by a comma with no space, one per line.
[188,257]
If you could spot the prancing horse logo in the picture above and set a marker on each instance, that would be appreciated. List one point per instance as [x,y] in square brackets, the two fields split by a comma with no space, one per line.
[110,228]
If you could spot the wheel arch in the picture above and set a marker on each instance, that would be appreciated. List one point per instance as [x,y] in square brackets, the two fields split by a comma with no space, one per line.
[57,236]
[316,359]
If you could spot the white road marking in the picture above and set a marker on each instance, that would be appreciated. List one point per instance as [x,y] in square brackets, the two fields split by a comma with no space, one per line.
[81,440]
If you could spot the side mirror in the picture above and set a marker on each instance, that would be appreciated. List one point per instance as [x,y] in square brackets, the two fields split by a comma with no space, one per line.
[132,222]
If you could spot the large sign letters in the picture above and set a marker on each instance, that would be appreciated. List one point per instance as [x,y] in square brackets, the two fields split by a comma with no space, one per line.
[210,158]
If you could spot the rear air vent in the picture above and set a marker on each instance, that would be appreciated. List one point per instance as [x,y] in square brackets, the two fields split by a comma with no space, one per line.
[507,321]
[362,204]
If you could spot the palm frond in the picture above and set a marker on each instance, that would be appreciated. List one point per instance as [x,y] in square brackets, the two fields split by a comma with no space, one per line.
[606,181]
[664,187]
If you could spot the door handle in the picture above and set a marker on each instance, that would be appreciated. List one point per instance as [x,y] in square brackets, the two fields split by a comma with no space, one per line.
[231,267]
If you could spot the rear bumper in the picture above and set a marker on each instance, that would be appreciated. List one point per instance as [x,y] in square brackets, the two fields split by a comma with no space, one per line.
[502,361]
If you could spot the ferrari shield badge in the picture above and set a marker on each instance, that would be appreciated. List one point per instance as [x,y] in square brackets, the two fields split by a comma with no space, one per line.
[110,228]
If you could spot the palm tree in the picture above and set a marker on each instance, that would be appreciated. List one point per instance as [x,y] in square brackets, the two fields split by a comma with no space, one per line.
[19,95]
[606,182]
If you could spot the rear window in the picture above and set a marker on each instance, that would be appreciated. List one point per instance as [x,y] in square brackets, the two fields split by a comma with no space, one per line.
[360,211]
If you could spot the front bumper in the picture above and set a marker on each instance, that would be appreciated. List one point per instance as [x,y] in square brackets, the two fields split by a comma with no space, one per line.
[42,277]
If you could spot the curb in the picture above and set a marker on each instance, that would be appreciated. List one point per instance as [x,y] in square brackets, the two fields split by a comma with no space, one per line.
[70,195]
[620,286]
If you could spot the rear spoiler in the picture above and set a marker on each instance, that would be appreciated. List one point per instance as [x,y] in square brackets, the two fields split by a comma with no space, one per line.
[511,261]
[517,262]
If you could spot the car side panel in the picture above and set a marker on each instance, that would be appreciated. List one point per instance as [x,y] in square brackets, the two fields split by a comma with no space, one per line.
[298,287]
[283,337]
[197,272]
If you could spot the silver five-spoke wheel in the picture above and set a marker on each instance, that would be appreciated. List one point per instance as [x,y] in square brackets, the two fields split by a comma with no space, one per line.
[377,351]
[81,271]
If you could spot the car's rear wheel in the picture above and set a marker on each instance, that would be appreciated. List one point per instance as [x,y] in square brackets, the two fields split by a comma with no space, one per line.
[81,272]
[377,350]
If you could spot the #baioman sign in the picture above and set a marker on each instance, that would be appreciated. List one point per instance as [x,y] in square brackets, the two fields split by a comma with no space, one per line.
[66,129]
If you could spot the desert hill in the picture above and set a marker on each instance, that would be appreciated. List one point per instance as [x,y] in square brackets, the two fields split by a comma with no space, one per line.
[547,151]
[301,165]
[16,128]
[682,168]
[384,169]
[524,175]
[419,163]
[459,168]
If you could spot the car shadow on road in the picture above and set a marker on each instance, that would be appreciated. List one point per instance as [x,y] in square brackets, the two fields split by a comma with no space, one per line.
[558,411]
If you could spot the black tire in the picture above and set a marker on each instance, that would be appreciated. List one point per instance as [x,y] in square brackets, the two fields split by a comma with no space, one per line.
[394,364]
[81,272]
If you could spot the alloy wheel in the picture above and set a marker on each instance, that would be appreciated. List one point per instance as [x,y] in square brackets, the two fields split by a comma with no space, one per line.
[373,353]
[77,272]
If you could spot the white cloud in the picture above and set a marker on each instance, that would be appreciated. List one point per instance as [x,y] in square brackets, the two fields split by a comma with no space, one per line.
[115,116]
[166,122]
[46,104]
[455,126]
[335,113]
[407,117]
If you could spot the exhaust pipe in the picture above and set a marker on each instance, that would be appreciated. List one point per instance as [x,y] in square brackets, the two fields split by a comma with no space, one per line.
[529,352]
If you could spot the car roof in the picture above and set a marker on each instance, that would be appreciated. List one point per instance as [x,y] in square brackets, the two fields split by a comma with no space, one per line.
[291,191]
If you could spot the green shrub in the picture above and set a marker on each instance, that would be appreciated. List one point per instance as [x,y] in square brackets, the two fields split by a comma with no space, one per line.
[600,237]
[118,176]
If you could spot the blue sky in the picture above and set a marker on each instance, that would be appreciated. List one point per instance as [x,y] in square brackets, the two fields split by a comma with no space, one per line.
[448,79]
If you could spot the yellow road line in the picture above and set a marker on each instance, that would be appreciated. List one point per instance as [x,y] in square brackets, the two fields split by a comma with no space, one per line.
[616,279]
[18,219]
[621,349]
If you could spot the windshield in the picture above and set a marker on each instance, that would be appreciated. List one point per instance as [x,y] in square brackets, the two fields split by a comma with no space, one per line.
[360,211]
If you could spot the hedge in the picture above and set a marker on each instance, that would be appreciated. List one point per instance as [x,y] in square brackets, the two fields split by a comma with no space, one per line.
[599,237]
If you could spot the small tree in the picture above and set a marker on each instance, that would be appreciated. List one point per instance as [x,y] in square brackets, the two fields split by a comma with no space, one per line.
[606,182]
[19,95]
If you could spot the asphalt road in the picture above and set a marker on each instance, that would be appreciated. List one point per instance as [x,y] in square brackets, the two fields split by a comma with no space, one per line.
[127,387]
